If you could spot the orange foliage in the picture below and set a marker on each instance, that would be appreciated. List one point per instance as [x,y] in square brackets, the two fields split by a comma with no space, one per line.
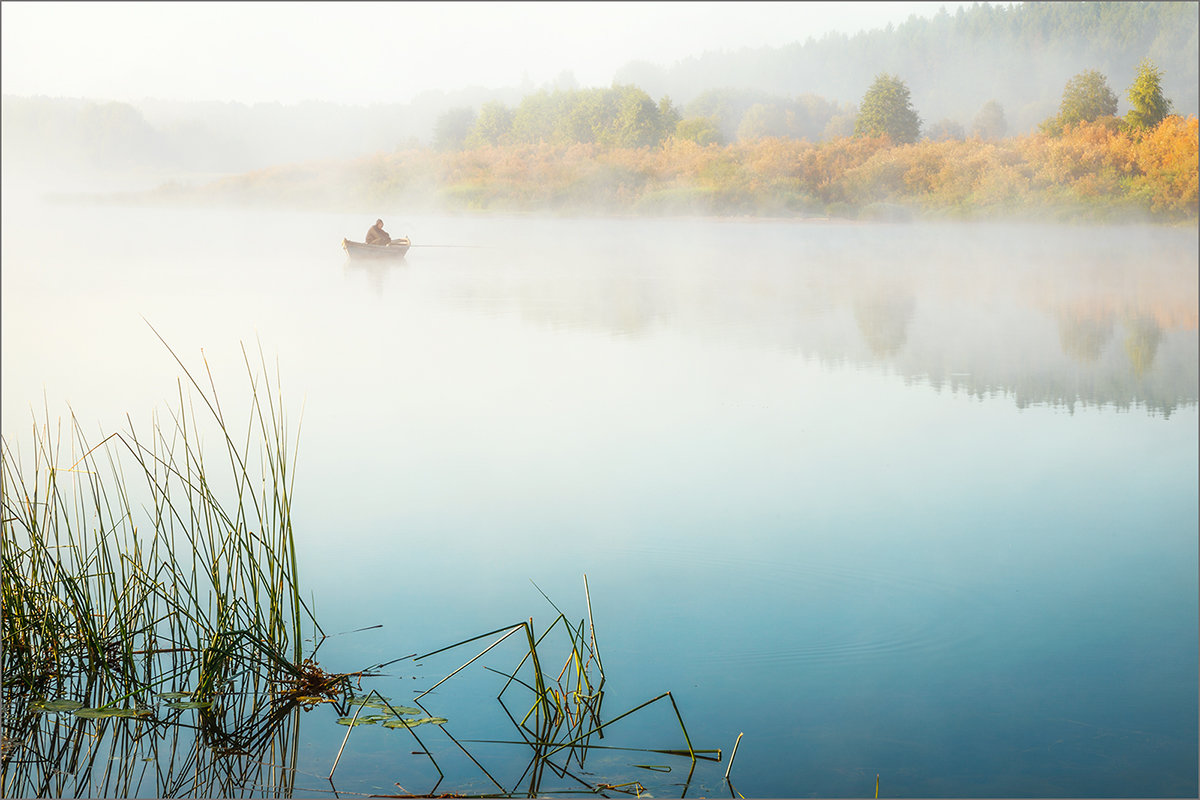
[1092,169]
[1167,157]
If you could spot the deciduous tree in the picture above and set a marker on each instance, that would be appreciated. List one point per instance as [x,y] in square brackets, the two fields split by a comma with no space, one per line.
[452,128]
[945,130]
[989,122]
[701,130]
[887,109]
[492,126]
[1086,98]
[762,120]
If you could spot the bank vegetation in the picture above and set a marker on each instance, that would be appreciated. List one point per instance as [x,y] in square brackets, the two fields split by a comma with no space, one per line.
[1102,170]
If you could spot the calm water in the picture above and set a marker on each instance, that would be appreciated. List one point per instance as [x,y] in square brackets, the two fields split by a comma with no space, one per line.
[915,501]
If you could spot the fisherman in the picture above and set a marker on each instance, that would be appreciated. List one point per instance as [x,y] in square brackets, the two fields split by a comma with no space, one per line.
[377,235]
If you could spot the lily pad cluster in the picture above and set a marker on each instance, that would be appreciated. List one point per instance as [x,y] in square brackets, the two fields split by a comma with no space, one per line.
[178,700]
[181,700]
[390,716]
[75,707]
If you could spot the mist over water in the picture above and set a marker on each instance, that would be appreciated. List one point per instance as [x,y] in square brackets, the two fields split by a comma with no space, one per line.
[908,500]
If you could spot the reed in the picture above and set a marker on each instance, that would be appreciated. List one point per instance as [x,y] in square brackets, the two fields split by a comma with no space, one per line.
[556,712]
[153,624]
[143,567]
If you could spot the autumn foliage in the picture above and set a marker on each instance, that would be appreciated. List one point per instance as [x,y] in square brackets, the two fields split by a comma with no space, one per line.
[1093,170]
[1100,170]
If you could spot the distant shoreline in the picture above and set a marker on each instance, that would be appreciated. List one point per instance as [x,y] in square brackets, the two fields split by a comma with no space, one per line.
[1092,173]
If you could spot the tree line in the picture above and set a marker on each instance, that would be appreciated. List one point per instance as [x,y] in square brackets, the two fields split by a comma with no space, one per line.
[988,68]
[1018,54]
[626,116]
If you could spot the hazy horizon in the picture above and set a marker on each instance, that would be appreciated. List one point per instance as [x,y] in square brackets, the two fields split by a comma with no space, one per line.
[295,52]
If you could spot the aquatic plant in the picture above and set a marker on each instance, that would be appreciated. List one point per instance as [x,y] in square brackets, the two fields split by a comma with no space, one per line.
[153,628]
[129,578]
[557,716]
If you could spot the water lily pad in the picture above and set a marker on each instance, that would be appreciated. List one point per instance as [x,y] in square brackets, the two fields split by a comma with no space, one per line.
[54,706]
[412,723]
[368,702]
[190,704]
[100,713]
[175,695]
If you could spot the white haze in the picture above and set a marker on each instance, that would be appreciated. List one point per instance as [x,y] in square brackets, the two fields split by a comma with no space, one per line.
[364,53]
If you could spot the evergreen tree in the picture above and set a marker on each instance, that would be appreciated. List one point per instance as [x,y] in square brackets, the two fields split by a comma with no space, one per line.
[887,109]
[1148,106]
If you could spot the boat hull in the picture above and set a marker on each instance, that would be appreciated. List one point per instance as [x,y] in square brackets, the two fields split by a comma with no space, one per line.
[395,250]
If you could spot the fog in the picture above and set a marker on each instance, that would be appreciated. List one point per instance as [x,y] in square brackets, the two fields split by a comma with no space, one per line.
[169,89]
[133,95]
[369,53]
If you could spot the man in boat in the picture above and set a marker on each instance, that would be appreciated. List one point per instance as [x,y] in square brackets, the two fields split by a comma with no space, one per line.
[377,235]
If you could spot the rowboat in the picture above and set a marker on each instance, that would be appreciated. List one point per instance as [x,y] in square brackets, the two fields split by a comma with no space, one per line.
[396,249]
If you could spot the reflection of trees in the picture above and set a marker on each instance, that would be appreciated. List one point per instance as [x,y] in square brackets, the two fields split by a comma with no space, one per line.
[1141,343]
[1030,312]
[883,319]
[1083,337]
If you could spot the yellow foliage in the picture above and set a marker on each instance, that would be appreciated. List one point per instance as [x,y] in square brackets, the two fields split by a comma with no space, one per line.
[1093,169]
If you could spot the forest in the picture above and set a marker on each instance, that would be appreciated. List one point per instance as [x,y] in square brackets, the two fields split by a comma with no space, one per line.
[1079,110]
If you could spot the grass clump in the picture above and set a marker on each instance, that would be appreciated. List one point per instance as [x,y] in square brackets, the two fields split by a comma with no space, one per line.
[130,578]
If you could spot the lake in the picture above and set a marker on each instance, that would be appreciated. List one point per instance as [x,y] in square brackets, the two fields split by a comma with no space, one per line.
[910,501]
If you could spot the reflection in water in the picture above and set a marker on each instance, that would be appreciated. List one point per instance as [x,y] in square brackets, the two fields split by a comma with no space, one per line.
[376,272]
[152,635]
[244,748]
[1083,337]
[1142,342]
[883,317]
[989,312]
[863,574]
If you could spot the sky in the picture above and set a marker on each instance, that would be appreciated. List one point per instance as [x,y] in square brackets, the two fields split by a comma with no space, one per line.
[387,52]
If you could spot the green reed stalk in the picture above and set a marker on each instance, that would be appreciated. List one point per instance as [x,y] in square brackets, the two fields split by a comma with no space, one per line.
[111,594]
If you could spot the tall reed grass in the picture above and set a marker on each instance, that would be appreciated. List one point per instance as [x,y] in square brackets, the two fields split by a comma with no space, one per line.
[146,566]
[153,625]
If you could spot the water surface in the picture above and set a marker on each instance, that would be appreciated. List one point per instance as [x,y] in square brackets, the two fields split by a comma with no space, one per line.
[909,500]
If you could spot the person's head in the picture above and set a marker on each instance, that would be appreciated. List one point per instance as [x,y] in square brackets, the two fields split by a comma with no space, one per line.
[378,223]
